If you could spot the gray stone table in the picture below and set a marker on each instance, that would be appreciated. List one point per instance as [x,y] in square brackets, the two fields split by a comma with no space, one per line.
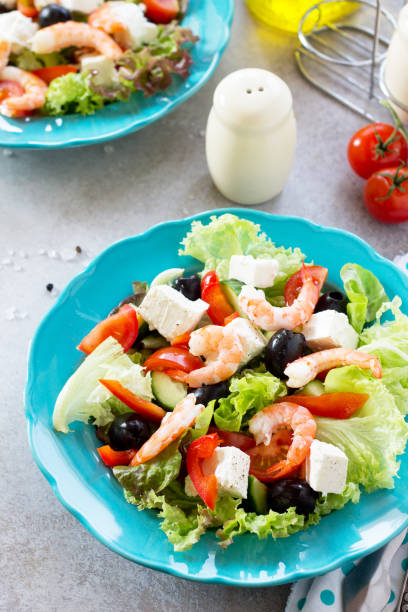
[92,197]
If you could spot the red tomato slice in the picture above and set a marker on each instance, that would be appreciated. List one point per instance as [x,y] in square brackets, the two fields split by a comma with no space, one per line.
[113,458]
[211,292]
[232,438]
[178,375]
[173,357]
[374,147]
[386,195]
[161,11]
[122,326]
[295,282]
[139,405]
[333,405]
[206,485]
[53,72]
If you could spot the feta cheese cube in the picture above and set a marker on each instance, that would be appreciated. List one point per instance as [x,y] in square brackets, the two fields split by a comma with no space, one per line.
[104,66]
[137,29]
[256,272]
[252,339]
[170,312]
[231,468]
[81,6]
[17,30]
[326,468]
[329,329]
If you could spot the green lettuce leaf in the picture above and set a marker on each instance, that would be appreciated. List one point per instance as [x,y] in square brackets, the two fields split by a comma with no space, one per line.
[28,60]
[72,93]
[373,437]
[249,393]
[365,292]
[228,235]
[389,342]
[155,474]
[203,421]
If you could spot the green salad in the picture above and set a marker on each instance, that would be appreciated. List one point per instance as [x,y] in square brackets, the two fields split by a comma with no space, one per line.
[245,395]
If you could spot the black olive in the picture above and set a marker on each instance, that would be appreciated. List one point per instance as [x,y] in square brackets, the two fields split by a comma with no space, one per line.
[334,300]
[3,8]
[288,492]
[284,347]
[128,431]
[53,13]
[206,393]
[189,286]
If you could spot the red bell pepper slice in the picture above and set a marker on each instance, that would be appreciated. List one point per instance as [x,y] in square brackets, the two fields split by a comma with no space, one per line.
[201,449]
[112,458]
[123,326]
[182,340]
[143,407]
[295,282]
[173,357]
[232,438]
[211,293]
[332,405]
[53,72]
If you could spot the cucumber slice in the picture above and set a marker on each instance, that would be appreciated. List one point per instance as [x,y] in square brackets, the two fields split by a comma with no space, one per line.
[167,276]
[167,391]
[231,289]
[314,387]
[257,496]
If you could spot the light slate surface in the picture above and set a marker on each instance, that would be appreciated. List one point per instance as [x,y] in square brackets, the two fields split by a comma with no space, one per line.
[92,197]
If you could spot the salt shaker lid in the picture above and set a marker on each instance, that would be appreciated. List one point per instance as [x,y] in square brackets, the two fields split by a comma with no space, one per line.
[252,98]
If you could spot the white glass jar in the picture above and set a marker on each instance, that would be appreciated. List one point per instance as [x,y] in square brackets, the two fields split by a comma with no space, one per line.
[251,136]
[396,62]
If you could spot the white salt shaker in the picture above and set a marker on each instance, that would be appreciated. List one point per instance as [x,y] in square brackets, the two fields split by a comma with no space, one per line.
[395,69]
[251,136]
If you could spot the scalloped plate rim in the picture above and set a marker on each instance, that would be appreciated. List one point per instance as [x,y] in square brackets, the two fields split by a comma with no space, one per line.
[53,479]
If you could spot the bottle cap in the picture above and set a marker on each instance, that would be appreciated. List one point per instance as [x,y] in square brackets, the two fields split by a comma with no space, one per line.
[252,98]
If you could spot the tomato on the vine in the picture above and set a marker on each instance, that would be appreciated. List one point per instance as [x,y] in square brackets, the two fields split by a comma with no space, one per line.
[375,147]
[386,195]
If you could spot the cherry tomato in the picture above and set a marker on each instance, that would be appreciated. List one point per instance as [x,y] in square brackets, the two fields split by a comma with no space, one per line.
[295,282]
[142,407]
[123,326]
[173,357]
[232,438]
[211,292]
[53,72]
[386,195]
[375,147]
[161,11]
[334,405]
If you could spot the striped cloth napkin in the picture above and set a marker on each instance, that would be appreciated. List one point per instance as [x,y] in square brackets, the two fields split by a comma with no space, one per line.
[371,584]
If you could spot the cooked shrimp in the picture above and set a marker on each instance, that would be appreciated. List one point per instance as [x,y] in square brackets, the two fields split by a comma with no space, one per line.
[74,34]
[305,369]
[223,350]
[125,22]
[33,96]
[280,416]
[172,426]
[268,317]
[5,48]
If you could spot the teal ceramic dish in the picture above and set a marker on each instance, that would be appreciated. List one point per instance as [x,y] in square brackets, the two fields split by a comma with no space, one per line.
[89,491]
[209,19]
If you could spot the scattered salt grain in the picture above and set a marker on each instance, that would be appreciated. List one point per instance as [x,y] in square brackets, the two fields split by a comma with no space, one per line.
[12,314]
[42,252]
[22,254]
[68,254]
[6,261]
[52,254]
[11,252]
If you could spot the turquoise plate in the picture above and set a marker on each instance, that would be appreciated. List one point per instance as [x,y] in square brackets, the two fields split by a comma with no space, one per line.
[86,487]
[209,19]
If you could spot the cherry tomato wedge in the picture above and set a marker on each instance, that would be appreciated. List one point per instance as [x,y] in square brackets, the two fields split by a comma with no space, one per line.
[142,407]
[263,457]
[53,72]
[182,340]
[386,195]
[206,485]
[173,357]
[27,8]
[122,326]
[178,375]
[113,458]
[232,438]
[211,293]
[161,11]
[374,147]
[295,282]
[333,405]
